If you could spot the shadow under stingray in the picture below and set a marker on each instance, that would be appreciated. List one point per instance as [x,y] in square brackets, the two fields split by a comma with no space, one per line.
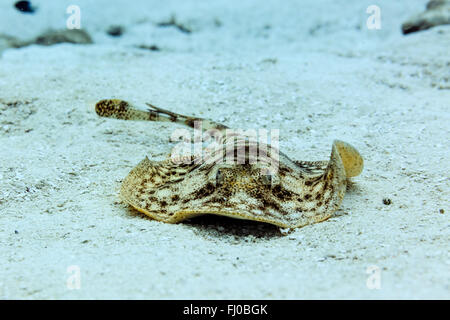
[210,225]
[219,226]
[214,226]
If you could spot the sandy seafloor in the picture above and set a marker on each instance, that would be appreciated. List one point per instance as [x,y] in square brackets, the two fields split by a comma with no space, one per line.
[309,68]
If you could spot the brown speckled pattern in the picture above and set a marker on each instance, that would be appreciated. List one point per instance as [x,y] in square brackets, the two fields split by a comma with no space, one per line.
[297,194]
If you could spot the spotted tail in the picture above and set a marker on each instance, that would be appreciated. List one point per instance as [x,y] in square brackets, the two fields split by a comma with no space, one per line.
[120,109]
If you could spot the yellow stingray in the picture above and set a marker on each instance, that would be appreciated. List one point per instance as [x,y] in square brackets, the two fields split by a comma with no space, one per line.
[290,194]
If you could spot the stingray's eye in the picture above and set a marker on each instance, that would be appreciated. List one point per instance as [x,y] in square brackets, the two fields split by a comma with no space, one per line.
[219,177]
[267,179]
[270,180]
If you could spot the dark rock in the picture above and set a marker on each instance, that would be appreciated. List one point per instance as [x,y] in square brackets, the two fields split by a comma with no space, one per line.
[25,7]
[437,13]
[115,31]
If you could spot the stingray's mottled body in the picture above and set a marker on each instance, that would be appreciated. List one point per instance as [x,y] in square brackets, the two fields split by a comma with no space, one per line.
[296,194]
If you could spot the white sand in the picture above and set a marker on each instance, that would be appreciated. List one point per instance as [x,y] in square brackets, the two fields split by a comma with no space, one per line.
[313,71]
